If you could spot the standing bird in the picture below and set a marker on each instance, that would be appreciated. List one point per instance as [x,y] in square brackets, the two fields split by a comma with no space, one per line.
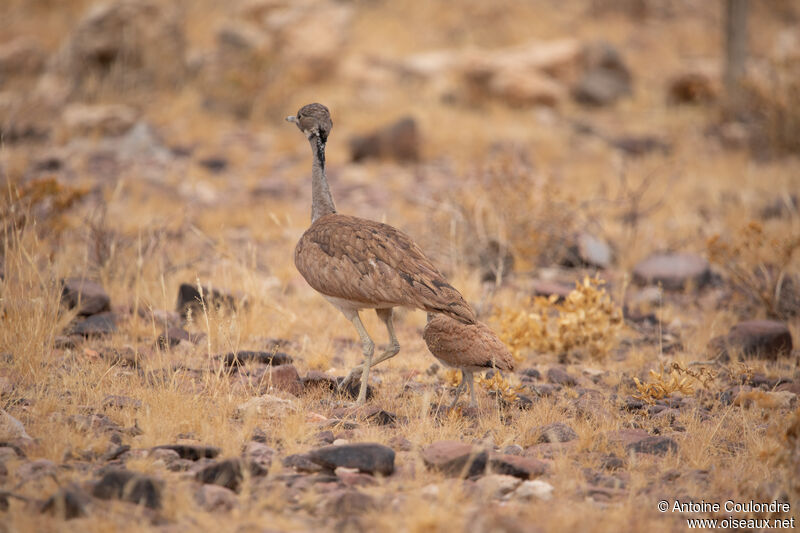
[360,264]
[469,347]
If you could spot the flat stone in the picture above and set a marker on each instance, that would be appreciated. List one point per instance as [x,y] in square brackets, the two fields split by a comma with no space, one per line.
[263,358]
[129,486]
[284,378]
[302,463]
[497,485]
[766,339]
[534,489]
[549,288]
[556,432]
[190,300]
[455,458]
[559,376]
[190,451]
[96,325]
[88,297]
[214,498]
[673,271]
[517,466]
[654,445]
[367,457]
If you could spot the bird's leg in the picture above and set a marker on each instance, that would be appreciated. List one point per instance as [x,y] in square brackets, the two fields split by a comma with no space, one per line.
[394,346]
[460,388]
[468,377]
[368,348]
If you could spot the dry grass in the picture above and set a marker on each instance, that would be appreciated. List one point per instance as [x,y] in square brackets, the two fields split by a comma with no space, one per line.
[142,233]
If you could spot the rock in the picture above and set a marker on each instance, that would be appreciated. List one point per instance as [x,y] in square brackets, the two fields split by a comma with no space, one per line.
[673,271]
[67,503]
[496,486]
[398,141]
[11,429]
[639,145]
[593,251]
[214,498]
[783,206]
[101,120]
[240,37]
[766,339]
[611,462]
[301,462]
[284,378]
[371,458]
[96,325]
[121,402]
[692,87]
[215,165]
[559,376]
[190,451]
[190,300]
[605,79]
[259,453]
[37,469]
[349,503]
[556,432]
[654,445]
[766,399]
[228,473]
[173,336]
[535,489]
[514,465]
[455,458]
[129,486]
[626,437]
[88,296]
[264,358]
[124,43]
[114,453]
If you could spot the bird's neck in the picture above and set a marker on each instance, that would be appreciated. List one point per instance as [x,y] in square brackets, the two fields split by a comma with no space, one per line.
[321,199]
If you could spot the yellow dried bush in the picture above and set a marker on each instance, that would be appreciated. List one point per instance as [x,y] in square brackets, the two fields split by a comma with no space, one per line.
[586,322]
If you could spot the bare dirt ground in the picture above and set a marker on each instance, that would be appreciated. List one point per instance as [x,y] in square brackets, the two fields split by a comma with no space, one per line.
[575,169]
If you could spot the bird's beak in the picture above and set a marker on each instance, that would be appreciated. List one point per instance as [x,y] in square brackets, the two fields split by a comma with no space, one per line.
[291,118]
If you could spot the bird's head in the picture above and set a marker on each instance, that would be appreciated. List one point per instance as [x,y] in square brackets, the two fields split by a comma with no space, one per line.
[314,120]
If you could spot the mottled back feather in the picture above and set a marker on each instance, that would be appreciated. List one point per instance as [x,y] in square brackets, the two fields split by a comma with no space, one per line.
[470,346]
[374,265]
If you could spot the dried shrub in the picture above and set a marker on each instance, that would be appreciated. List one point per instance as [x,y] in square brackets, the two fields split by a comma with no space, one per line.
[500,387]
[586,322]
[675,378]
[537,215]
[758,267]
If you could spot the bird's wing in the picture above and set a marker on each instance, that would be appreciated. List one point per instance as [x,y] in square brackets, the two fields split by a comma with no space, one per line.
[374,264]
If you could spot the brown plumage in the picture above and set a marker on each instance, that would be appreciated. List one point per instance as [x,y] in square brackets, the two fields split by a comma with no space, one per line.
[360,264]
[374,265]
[468,347]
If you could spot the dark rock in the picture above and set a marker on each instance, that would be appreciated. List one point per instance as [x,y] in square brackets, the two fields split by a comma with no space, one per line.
[354,387]
[96,325]
[259,453]
[285,378]
[36,469]
[530,374]
[556,432]
[517,466]
[692,87]
[367,457]
[399,442]
[173,336]
[674,271]
[611,462]
[216,165]
[88,296]
[633,404]
[606,78]
[129,486]
[559,376]
[455,458]
[398,141]
[191,451]
[301,462]
[67,503]
[189,299]
[654,445]
[766,339]
[114,453]
[229,473]
[639,145]
[325,437]
[783,206]
[263,358]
